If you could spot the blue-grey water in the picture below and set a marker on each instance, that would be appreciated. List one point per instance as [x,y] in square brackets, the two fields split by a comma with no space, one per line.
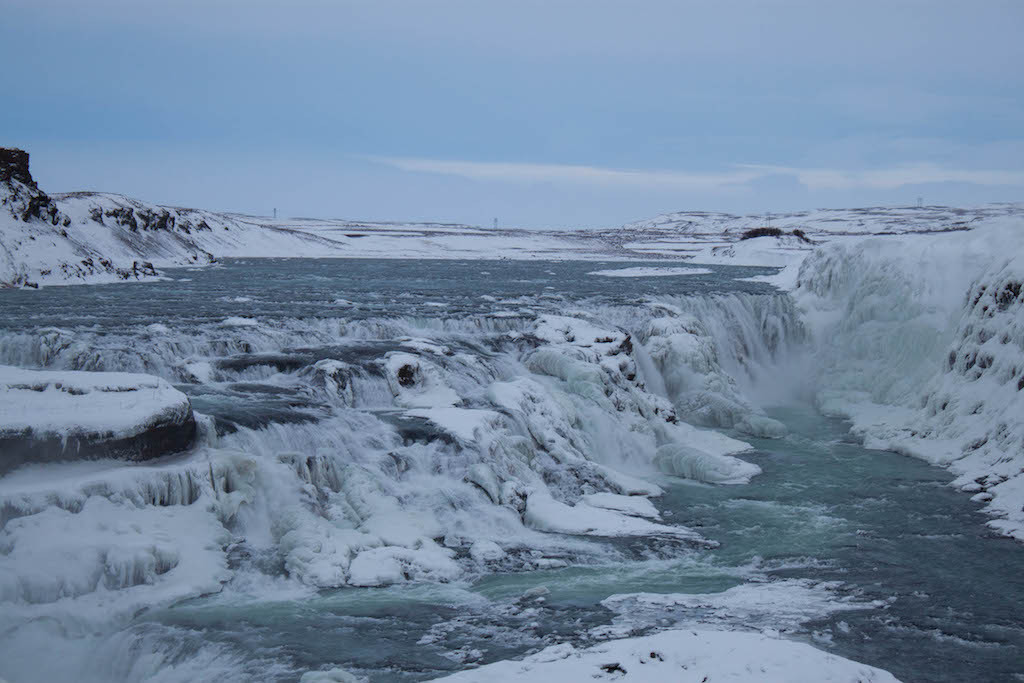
[937,596]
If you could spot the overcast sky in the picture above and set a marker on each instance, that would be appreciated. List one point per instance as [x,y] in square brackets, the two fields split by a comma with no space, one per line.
[538,113]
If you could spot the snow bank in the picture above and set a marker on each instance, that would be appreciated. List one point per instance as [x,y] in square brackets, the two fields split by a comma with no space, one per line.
[920,341]
[690,655]
[51,415]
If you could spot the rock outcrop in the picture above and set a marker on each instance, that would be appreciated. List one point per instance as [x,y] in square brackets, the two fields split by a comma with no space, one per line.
[49,416]
[21,195]
[14,166]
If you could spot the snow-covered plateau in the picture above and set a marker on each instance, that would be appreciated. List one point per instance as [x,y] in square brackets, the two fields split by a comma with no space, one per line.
[514,455]
[99,237]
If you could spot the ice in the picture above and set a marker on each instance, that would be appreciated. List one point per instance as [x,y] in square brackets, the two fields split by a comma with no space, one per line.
[49,403]
[759,425]
[711,468]
[103,562]
[483,476]
[384,566]
[546,514]
[484,550]
[921,344]
[237,321]
[330,676]
[418,383]
[779,606]
[465,423]
[441,450]
[634,506]
[691,655]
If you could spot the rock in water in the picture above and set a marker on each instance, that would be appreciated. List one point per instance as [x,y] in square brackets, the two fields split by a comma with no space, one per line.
[48,416]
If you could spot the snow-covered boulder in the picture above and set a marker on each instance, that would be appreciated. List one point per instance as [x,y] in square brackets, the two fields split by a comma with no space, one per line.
[49,416]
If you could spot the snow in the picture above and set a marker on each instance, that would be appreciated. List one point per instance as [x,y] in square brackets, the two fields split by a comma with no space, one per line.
[423,387]
[106,561]
[711,468]
[104,237]
[61,403]
[238,321]
[696,655]
[330,676]
[782,606]
[547,514]
[464,423]
[920,341]
[384,566]
[635,506]
[560,430]
[650,272]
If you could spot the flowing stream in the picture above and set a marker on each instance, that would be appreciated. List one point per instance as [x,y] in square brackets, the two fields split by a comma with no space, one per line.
[863,553]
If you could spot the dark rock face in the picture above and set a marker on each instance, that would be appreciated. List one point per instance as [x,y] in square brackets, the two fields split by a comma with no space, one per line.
[23,197]
[407,375]
[160,439]
[14,166]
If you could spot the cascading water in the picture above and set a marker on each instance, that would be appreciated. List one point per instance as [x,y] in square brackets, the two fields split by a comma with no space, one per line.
[387,461]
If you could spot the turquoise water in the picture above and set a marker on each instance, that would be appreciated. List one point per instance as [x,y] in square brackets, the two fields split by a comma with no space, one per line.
[934,595]
[885,528]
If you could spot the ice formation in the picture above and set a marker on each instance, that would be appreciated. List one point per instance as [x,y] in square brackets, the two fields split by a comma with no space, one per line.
[435,452]
[376,451]
[691,655]
[920,342]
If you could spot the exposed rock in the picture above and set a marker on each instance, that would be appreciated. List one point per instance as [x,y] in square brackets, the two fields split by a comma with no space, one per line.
[23,197]
[407,375]
[14,166]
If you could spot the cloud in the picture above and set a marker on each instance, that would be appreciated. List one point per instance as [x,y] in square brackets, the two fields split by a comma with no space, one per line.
[575,174]
[739,175]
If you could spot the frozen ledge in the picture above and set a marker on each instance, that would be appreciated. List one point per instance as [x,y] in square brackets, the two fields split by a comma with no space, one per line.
[48,416]
[690,655]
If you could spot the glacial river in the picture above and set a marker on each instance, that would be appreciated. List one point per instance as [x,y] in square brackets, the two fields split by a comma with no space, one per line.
[866,554]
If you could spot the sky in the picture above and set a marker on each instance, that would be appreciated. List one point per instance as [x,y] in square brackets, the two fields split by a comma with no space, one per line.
[558,113]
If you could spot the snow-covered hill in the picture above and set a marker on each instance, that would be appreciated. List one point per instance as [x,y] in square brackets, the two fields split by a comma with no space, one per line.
[101,237]
[710,237]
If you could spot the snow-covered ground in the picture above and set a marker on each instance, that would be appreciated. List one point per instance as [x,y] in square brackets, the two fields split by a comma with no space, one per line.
[101,237]
[548,429]
[693,655]
[62,403]
[50,415]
